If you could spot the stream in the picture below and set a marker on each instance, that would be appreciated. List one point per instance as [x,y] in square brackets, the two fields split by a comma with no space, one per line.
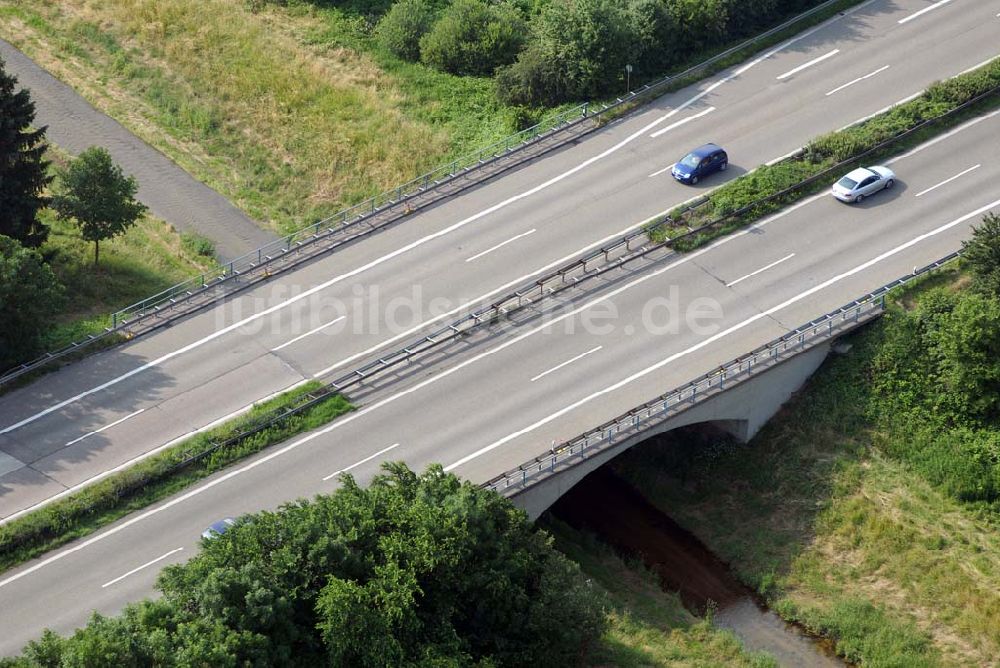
[609,507]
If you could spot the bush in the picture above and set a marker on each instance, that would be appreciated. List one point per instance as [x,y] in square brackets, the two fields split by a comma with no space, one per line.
[588,43]
[474,38]
[411,571]
[982,255]
[400,30]
[197,244]
[30,296]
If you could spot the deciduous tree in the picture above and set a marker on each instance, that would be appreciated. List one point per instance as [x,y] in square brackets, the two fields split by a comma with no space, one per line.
[982,254]
[30,294]
[95,193]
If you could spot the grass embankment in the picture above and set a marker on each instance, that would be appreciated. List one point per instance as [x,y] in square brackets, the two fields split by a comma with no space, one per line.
[645,625]
[827,151]
[259,105]
[157,477]
[867,509]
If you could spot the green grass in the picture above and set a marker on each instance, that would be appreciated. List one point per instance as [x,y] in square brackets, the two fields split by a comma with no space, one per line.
[829,514]
[646,626]
[107,500]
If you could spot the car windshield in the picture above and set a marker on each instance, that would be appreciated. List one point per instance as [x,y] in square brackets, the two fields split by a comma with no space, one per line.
[690,160]
[847,183]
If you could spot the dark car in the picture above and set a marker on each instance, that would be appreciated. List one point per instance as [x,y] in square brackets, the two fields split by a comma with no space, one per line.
[218,528]
[699,163]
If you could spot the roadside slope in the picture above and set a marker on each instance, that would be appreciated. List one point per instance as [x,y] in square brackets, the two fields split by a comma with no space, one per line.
[170,192]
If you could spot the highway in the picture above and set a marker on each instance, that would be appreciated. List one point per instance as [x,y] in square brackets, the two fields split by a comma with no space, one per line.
[497,404]
[92,416]
[582,359]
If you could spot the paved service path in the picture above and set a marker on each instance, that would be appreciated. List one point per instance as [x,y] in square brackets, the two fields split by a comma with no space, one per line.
[171,193]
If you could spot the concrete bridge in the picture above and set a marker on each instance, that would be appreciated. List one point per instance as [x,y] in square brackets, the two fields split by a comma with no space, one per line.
[739,397]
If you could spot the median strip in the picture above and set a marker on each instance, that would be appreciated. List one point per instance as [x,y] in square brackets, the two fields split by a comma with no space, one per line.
[105,501]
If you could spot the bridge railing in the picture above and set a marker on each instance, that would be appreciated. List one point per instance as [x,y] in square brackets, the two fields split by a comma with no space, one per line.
[690,394]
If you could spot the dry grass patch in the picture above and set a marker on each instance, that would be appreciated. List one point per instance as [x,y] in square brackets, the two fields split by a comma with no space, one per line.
[288,130]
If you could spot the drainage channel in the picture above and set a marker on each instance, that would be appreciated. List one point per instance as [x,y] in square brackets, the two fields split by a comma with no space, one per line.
[607,506]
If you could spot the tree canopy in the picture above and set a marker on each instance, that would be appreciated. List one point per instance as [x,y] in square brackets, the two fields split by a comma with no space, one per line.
[23,171]
[95,193]
[982,254]
[412,570]
[29,295]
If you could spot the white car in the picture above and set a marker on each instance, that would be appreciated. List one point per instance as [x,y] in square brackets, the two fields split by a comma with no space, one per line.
[862,182]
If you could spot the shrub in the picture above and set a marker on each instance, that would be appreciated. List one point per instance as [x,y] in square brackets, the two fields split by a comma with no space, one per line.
[413,570]
[30,295]
[400,30]
[197,244]
[474,38]
[982,255]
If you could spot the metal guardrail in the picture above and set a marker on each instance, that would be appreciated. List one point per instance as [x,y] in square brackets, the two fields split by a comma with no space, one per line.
[666,406]
[630,247]
[372,214]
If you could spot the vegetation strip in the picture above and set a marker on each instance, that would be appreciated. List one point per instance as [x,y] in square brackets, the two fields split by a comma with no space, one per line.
[167,472]
[770,187]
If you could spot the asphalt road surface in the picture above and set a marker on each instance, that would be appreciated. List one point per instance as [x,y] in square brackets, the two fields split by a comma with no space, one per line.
[494,405]
[585,357]
[116,406]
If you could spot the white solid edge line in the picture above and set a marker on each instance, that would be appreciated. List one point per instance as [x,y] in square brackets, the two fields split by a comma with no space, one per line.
[681,122]
[948,180]
[105,427]
[145,565]
[851,83]
[976,66]
[915,95]
[567,362]
[363,461]
[135,460]
[907,19]
[715,337]
[309,333]
[445,231]
[941,138]
[350,417]
[761,270]
[812,62]
[881,111]
[501,245]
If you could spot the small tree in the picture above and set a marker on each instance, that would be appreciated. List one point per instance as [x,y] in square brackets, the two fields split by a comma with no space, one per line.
[982,253]
[98,196]
[29,295]
[401,28]
[473,37]
[23,172]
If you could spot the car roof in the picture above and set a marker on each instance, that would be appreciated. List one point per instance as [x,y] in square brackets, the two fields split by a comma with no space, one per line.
[705,150]
[860,174]
[222,524]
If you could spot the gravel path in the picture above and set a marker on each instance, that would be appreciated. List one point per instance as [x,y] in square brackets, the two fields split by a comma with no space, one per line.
[170,192]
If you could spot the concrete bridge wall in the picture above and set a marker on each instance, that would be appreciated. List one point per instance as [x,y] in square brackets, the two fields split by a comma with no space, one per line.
[741,411]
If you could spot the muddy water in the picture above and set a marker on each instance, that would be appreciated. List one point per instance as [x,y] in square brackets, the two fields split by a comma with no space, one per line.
[607,506]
